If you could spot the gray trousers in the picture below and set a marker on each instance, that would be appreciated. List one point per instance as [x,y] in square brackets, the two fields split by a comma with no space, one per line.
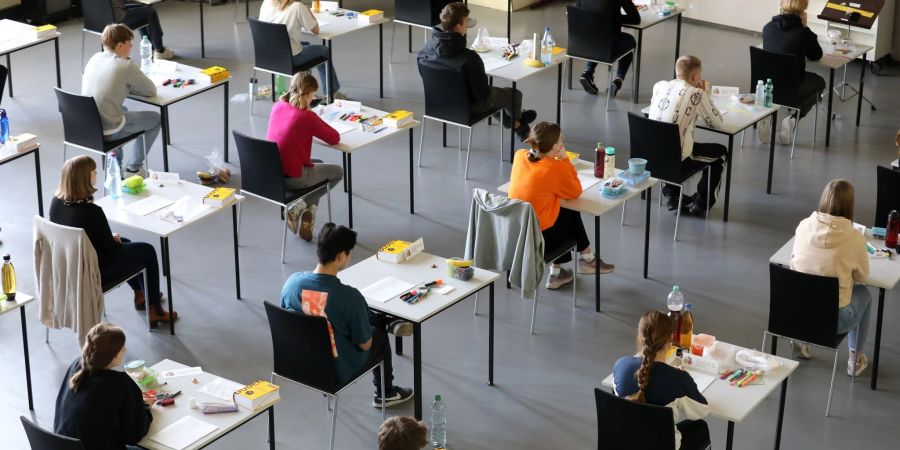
[315,175]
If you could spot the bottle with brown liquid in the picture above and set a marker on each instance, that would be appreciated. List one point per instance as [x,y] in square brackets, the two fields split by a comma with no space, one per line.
[675,303]
[686,330]
[315,6]
[9,278]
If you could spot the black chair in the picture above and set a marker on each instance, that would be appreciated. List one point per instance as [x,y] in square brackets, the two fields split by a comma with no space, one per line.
[804,307]
[272,54]
[301,346]
[447,101]
[659,143]
[4,73]
[592,34]
[97,15]
[41,439]
[887,194]
[786,72]
[424,14]
[262,177]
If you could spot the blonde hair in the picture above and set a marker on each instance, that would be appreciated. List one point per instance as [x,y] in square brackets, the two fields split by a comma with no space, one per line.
[115,34]
[654,333]
[794,6]
[543,137]
[686,65]
[301,84]
[837,199]
[75,179]
[402,433]
[101,346]
[281,4]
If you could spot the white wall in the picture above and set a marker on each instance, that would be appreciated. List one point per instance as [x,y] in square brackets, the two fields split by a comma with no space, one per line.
[746,14]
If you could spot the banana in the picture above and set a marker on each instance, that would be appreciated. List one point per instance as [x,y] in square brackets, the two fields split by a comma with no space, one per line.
[531,62]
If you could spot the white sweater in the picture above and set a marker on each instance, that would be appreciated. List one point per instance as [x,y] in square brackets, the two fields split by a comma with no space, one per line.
[296,17]
[109,79]
[676,101]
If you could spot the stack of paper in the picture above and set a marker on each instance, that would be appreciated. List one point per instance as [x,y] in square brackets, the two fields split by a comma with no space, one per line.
[386,289]
[183,433]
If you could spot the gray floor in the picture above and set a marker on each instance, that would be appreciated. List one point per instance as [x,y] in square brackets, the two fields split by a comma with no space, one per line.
[542,398]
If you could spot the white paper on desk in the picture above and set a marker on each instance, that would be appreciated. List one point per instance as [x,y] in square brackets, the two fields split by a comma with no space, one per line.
[148,205]
[222,389]
[386,289]
[587,181]
[493,62]
[701,379]
[183,433]
[498,43]
[341,127]
[182,372]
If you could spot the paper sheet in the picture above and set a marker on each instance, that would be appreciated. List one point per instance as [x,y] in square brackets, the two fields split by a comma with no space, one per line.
[493,62]
[182,372]
[386,289]
[341,127]
[703,380]
[183,433]
[148,205]
[587,181]
[221,388]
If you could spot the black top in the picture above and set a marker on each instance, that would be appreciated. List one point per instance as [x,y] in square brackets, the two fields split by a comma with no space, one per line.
[631,16]
[448,50]
[667,383]
[106,413]
[91,218]
[786,34]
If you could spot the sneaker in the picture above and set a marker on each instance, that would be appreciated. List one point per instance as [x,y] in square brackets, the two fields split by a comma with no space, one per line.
[764,130]
[606,268]
[697,210]
[587,268]
[557,281]
[400,328]
[167,53]
[340,95]
[802,350]
[527,117]
[396,396]
[616,86]
[128,172]
[587,82]
[672,202]
[293,216]
[307,223]
[861,364]
[787,129]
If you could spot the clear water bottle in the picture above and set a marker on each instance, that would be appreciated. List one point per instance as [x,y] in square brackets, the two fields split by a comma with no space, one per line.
[760,94]
[113,176]
[438,423]
[4,126]
[770,92]
[547,45]
[675,302]
[146,55]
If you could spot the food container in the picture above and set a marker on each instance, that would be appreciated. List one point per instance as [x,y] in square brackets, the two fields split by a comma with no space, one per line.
[460,269]
[145,377]
[613,187]
[637,165]
[702,343]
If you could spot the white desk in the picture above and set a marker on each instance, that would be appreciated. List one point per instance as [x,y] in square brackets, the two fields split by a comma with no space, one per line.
[164,416]
[883,274]
[193,211]
[19,303]
[592,203]
[735,404]
[834,61]
[15,36]
[169,95]
[8,155]
[418,270]
[649,18]
[355,140]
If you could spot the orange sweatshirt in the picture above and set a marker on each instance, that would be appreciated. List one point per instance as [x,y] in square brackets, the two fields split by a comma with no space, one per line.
[543,184]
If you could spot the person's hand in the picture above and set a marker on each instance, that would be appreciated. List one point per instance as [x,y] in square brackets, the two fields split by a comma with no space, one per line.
[149,397]
[117,237]
[559,153]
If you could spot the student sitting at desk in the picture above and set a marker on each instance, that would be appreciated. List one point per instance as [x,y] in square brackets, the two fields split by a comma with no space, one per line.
[297,16]
[97,404]
[134,13]
[826,244]
[623,41]
[73,206]
[359,335]
[682,101]
[542,176]
[447,49]
[402,433]
[788,33]
[292,125]
[648,379]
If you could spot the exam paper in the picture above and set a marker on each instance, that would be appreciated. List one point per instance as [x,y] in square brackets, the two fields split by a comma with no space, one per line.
[386,289]
[148,205]
[183,433]
[703,380]
[182,372]
[587,181]
[221,388]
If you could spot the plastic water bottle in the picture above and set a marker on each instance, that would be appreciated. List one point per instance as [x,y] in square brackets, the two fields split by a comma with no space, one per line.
[4,126]
[113,176]
[438,423]
[547,45]
[760,94]
[675,302]
[146,55]
[770,92]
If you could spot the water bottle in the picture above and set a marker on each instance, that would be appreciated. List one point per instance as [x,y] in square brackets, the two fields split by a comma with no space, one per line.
[760,94]
[893,230]
[113,177]
[4,126]
[9,278]
[675,302]
[547,45]
[146,55]
[770,92]
[438,423]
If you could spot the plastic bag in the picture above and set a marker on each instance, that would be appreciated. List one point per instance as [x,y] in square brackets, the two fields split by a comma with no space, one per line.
[482,41]
[218,170]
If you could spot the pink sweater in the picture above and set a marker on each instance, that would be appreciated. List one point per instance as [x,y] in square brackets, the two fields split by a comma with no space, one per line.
[293,129]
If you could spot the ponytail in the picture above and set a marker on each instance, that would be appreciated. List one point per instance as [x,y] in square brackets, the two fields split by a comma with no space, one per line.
[301,84]
[101,346]
[542,138]
[654,333]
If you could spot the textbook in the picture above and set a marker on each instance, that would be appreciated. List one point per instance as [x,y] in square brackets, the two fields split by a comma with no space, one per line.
[214,74]
[370,16]
[219,197]
[44,31]
[398,119]
[256,394]
[398,251]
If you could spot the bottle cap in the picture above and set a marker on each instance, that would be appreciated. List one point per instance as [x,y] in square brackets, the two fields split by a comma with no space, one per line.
[599,144]
[437,397]
[2,112]
[687,306]
[6,257]
[676,289]
[610,151]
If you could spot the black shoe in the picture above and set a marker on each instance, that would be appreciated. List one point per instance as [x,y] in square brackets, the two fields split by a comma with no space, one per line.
[587,82]
[697,210]
[527,117]
[396,396]
[523,132]
[672,202]
[616,85]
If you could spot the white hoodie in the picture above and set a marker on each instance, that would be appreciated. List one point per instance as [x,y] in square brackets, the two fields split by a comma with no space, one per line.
[828,245]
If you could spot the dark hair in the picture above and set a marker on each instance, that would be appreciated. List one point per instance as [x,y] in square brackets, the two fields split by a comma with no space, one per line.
[837,199]
[402,433]
[453,14]
[543,137]
[654,332]
[101,346]
[334,240]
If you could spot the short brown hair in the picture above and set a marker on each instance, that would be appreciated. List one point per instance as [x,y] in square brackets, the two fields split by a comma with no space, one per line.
[75,180]
[542,138]
[115,34]
[402,433]
[453,14]
[837,199]
[794,6]
[686,65]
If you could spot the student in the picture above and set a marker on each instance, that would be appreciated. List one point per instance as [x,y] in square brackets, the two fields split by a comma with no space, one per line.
[682,101]
[97,404]
[73,206]
[293,125]
[359,335]
[788,33]
[134,14]
[109,77]
[622,43]
[826,244]
[447,49]
[648,379]
[402,433]
[297,17]
[542,176]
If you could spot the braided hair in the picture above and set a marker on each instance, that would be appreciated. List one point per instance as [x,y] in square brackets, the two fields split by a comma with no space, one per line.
[101,346]
[543,137]
[654,334]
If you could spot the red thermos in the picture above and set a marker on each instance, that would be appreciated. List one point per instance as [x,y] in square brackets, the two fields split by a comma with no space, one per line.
[599,160]
[893,228]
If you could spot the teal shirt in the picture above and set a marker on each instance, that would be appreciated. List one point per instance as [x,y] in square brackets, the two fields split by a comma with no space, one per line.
[346,310]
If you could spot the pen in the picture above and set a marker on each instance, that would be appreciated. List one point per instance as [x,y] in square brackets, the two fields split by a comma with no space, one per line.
[434,283]
[379,130]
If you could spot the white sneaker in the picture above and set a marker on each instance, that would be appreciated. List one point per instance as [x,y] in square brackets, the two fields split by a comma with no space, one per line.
[129,172]
[557,281]
[801,350]
[764,130]
[165,54]
[787,129]
[861,364]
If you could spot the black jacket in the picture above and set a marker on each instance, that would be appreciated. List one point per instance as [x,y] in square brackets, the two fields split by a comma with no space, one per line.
[631,16]
[448,50]
[91,218]
[786,34]
[106,413]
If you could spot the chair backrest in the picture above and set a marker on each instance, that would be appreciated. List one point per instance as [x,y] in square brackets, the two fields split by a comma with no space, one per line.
[888,194]
[591,34]
[622,423]
[657,142]
[785,70]
[4,73]
[419,12]
[97,14]
[803,306]
[446,93]
[301,347]
[81,120]
[271,46]
[261,171]
[41,439]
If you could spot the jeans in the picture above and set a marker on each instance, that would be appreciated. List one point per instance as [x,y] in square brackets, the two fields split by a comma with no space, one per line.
[138,14]
[856,314]
[135,121]
[568,226]
[717,152]
[507,98]
[315,175]
[311,52]
[622,44]
[134,257]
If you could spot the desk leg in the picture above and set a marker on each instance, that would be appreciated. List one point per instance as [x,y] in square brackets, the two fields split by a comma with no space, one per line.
[412,192]
[271,417]
[381,60]
[344,166]
[647,232]
[729,438]
[597,257]
[417,369]
[559,94]
[772,149]
[728,177]
[859,99]
[162,251]
[225,117]
[780,414]
[677,41]
[328,87]
[37,175]
[237,260]
[409,36]
[512,123]
[508,20]
[639,53]
[202,34]
[168,269]
[878,320]
[350,189]
[56,54]
[164,113]
[444,134]
[28,360]
[491,84]
[491,334]
[830,99]
[9,75]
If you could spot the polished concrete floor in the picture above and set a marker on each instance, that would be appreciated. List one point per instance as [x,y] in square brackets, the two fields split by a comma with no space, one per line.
[543,393]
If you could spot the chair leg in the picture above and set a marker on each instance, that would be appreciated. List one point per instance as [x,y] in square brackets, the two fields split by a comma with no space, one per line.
[708,190]
[624,204]
[334,420]
[81,62]
[608,86]
[742,139]
[762,347]
[146,296]
[794,138]
[500,132]
[64,151]
[459,137]
[328,197]
[284,235]
[475,312]
[253,88]
[422,139]
[393,35]
[815,122]
[47,335]
[240,210]
[575,257]
[383,392]
[534,306]
[678,211]
[831,388]
[468,152]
